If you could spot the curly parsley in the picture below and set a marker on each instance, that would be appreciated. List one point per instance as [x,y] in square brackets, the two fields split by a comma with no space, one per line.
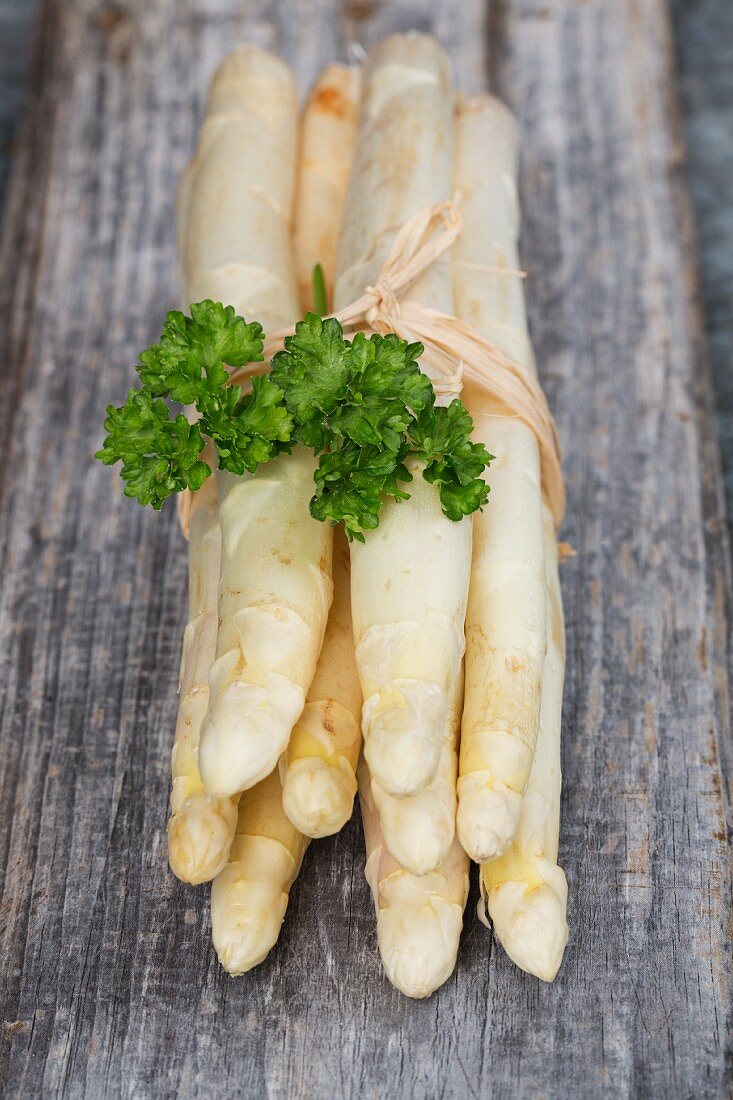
[362,405]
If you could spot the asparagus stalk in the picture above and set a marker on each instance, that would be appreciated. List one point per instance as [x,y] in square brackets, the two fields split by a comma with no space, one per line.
[275,582]
[201,826]
[418,830]
[419,918]
[525,891]
[315,797]
[319,768]
[410,577]
[250,896]
[506,634]
[237,194]
[326,148]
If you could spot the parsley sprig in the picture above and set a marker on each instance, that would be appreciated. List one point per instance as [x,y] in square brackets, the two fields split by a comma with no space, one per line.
[362,405]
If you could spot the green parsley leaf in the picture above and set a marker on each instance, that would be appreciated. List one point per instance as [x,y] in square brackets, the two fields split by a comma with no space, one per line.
[313,372]
[386,390]
[159,456]
[188,364]
[461,500]
[350,485]
[442,438]
[363,406]
[252,430]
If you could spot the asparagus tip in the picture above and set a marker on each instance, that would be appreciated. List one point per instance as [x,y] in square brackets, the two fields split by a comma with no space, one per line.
[402,747]
[531,925]
[199,838]
[243,735]
[488,816]
[419,944]
[246,918]
[318,797]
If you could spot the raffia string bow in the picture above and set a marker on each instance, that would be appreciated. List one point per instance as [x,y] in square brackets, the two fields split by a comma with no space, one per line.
[454,351]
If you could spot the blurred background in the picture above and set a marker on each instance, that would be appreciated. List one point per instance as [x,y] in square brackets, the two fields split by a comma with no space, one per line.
[703,32]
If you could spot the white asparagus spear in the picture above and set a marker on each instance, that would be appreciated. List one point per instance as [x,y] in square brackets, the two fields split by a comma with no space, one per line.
[525,890]
[419,918]
[319,767]
[327,140]
[250,896]
[410,577]
[506,618]
[275,583]
[201,826]
[237,195]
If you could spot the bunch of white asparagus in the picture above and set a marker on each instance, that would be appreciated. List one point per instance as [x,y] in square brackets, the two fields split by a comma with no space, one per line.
[440,643]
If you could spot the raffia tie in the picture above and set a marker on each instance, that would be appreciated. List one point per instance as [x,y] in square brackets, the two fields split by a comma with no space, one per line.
[454,351]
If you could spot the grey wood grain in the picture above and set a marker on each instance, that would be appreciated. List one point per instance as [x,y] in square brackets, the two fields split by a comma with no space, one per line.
[109,984]
[16,19]
[703,37]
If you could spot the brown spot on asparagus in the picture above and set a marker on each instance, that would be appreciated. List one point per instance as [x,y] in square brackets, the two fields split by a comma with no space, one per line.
[332,102]
[515,664]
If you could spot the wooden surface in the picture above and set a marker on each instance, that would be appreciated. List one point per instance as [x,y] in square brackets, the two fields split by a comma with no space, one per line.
[109,985]
[16,21]
[704,34]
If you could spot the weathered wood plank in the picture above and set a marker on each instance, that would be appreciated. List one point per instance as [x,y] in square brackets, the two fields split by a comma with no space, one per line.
[16,18]
[703,34]
[109,983]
